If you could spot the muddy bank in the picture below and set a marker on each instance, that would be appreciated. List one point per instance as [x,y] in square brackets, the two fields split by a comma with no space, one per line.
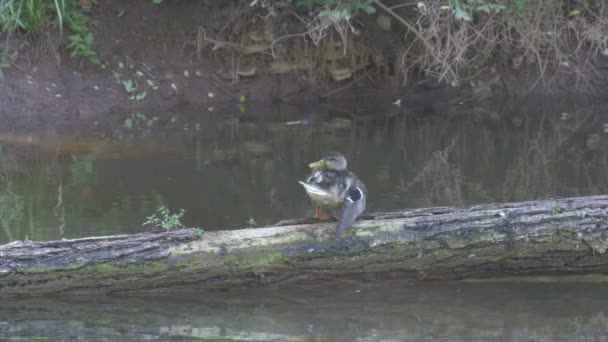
[163,59]
[150,63]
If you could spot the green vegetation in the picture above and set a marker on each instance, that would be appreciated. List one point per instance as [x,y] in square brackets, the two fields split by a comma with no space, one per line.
[81,45]
[134,120]
[32,16]
[338,9]
[165,219]
[5,62]
[131,88]
[35,17]
[139,120]
[557,208]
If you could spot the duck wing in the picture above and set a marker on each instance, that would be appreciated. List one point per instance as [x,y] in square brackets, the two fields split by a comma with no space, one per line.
[354,204]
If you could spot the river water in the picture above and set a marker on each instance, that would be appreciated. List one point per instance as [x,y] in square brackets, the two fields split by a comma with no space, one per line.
[232,170]
[455,312]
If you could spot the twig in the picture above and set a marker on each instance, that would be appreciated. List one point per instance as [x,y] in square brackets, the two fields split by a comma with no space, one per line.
[218,43]
[346,86]
[410,27]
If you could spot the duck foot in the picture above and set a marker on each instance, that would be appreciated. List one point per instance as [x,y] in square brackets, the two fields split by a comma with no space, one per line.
[321,217]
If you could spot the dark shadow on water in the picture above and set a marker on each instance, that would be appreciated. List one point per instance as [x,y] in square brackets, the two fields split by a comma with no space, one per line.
[454,312]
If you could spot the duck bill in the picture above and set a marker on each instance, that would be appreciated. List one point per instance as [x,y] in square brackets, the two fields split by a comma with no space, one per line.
[317,165]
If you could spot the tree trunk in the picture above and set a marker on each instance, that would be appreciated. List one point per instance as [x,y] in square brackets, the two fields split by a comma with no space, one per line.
[550,237]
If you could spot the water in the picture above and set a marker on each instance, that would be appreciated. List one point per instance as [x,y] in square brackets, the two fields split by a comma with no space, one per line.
[456,312]
[235,168]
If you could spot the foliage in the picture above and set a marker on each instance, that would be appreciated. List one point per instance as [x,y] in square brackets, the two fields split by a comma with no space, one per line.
[557,208]
[81,39]
[36,16]
[81,45]
[32,16]
[135,119]
[5,62]
[465,9]
[338,9]
[130,87]
[165,219]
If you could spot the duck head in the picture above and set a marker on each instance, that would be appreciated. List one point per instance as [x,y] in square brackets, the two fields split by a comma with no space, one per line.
[331,161]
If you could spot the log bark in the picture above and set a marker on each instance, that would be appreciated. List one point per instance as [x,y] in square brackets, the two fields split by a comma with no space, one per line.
[540,238]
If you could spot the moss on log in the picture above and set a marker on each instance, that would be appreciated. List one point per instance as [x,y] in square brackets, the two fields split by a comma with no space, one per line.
[550,237]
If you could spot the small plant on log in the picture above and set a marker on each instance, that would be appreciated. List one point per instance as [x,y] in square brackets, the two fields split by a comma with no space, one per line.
[163,218]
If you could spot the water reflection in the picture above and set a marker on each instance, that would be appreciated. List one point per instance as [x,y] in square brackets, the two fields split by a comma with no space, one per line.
[456,312]
[235,168]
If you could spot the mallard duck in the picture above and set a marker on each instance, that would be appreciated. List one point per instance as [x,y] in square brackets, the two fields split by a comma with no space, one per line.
[333,188]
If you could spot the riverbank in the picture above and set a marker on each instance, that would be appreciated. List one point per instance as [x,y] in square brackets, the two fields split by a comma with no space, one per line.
[162,58]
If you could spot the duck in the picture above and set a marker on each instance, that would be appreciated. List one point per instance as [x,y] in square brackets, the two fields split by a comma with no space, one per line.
[333,188]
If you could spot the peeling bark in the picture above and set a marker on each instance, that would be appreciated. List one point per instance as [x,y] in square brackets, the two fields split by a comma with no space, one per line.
[550,237]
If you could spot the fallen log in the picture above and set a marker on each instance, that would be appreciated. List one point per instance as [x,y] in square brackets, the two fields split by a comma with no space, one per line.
[550,237]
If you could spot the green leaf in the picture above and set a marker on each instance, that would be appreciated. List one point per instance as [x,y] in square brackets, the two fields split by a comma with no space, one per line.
[498,8]
[59,11]
[129,86]
[88,39]
[325,13]
[484,8]
[369,9]
[140,96]
[75,38]
[156,2]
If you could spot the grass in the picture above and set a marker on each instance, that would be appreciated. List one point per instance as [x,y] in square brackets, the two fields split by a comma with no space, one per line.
[5,62]
[35,17]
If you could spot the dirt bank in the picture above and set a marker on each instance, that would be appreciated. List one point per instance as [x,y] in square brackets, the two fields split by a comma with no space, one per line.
[161,59]
[147,65]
